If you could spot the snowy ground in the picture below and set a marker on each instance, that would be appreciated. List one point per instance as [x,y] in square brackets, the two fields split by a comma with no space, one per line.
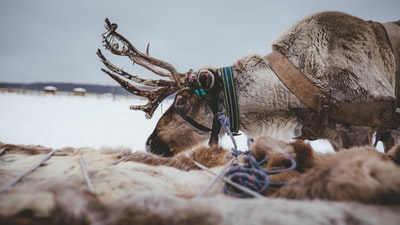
[91,121]
[61,120]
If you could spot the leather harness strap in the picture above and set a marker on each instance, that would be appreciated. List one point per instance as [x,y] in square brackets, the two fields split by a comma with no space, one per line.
[191,121]
[373,114]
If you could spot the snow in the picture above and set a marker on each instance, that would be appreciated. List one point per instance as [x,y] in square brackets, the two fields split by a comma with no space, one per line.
[50,88]
[79,90]
[60,120]
[96,121]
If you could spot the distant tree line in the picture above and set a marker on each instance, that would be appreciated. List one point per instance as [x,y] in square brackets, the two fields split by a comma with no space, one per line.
[68,87]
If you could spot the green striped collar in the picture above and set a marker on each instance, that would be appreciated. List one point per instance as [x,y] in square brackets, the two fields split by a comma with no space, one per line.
[230,98]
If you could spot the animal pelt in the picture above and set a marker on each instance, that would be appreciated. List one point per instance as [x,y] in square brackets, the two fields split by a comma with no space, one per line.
[207,156]
[317,175]
[128,192]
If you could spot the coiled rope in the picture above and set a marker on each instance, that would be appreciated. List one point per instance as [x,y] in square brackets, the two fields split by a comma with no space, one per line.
[250,176]
[244,181]
[253,177]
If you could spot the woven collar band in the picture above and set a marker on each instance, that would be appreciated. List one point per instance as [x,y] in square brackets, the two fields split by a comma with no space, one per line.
[230,98]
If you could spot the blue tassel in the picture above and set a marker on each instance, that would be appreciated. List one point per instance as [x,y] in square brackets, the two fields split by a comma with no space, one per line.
[200,92]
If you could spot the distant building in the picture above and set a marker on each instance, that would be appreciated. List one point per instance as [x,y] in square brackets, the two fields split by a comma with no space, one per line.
[50,90]
[79,92]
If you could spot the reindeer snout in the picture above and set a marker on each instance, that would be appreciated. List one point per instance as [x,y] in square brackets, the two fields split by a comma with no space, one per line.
[156,146]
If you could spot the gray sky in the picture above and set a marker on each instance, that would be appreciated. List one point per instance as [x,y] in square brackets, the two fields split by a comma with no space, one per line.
[56,41]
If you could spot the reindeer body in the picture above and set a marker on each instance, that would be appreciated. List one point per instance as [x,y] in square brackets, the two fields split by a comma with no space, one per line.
[348,58]
[344,56]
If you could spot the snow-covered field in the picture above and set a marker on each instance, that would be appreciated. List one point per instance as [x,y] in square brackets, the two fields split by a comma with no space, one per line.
[91,121]
[61,120]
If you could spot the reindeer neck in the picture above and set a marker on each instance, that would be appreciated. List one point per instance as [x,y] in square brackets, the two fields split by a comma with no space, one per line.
[265,104]
[262,91]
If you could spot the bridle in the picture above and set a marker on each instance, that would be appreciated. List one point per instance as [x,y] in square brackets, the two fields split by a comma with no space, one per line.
[224,100]
[216,126]
[191,121]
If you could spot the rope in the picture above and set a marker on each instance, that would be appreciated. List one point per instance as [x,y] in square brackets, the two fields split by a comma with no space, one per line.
[250,192]
[252,177]
[224,121]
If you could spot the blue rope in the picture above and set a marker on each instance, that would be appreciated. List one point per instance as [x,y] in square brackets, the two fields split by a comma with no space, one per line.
[252,177]
[224,121]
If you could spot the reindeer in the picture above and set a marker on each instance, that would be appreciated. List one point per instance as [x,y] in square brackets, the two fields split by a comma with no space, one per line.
[345,91]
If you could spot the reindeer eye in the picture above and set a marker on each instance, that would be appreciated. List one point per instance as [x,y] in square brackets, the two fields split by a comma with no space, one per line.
[181,102]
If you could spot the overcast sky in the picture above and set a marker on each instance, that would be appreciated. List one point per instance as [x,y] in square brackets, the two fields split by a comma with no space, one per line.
[56,41]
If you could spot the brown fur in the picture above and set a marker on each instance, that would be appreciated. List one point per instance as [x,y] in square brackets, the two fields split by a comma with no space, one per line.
[394,153]
[367,177]
[321,171]
[208,156]
[134,193]
[358,174]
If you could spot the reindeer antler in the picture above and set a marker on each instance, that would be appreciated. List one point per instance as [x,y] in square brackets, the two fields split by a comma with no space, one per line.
[158,89]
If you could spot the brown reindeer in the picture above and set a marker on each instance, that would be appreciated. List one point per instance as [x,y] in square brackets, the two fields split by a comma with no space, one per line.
[346,90]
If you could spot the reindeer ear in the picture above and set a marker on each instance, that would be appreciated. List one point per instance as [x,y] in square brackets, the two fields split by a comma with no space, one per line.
[206,78]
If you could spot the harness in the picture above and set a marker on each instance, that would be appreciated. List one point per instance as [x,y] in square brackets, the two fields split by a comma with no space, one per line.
[191,121]
[382,115]
[224,101]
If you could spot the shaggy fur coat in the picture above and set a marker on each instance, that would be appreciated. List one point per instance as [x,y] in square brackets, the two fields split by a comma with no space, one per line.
[351,187]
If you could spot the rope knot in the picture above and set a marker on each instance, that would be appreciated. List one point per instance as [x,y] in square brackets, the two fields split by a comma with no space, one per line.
[252,176]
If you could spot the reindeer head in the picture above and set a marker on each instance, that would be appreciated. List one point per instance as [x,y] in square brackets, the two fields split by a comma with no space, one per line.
[189,119]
